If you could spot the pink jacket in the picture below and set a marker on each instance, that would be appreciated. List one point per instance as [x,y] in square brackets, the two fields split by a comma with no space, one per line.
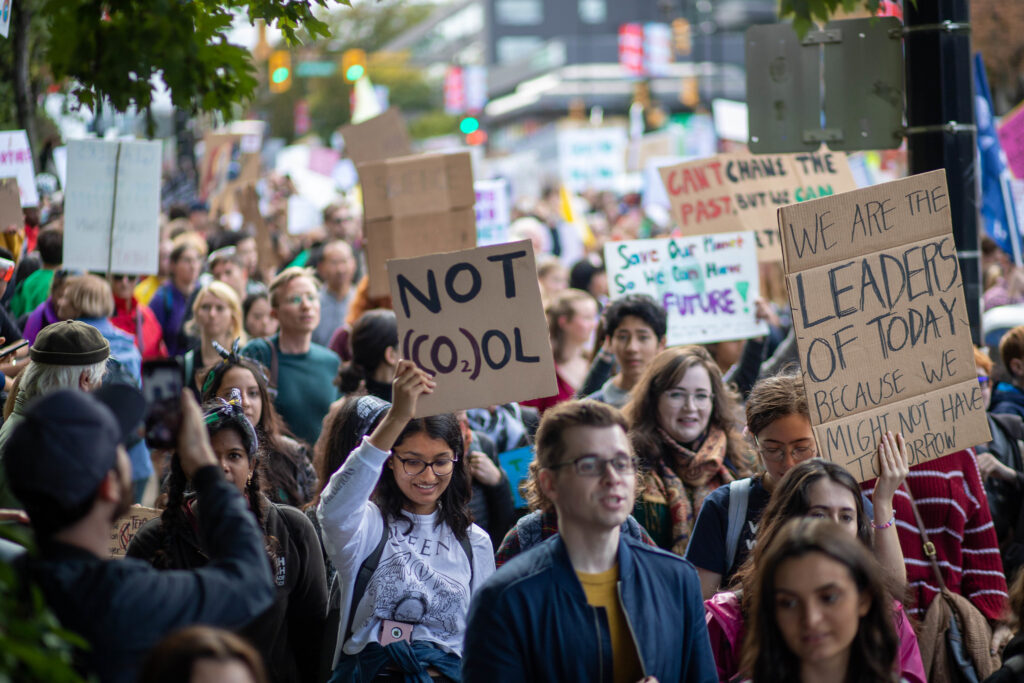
[726,629]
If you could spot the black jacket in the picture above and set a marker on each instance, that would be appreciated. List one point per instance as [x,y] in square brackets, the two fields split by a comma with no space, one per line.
[288,633]
[124,607]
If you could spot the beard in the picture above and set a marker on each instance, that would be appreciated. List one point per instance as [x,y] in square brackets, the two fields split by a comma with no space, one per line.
[127,498]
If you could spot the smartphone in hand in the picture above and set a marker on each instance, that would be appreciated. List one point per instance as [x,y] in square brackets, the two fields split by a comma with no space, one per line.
[162,383]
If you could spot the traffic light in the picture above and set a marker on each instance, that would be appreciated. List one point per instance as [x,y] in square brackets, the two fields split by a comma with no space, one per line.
[469,125]
[477,137]
[353,64]
[682,40]
[279,68]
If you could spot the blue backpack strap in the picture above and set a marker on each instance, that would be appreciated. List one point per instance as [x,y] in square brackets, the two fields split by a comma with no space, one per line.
[363,577]
[739,497]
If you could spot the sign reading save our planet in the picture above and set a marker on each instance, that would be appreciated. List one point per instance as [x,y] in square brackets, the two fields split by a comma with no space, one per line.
[706,283]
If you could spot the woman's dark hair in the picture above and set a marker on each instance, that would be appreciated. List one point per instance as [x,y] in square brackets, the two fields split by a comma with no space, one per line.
[344,427]
[792,499]
[766,656]
[371,335]
[173,519]
[271,429]
[252,299]
[454,502]
[174,657]
[665,372]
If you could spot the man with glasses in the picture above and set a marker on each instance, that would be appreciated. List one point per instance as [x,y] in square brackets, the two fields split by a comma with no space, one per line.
[589,604]
[302,372]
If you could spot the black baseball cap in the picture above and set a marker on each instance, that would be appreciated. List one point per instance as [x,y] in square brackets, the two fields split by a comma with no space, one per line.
[67,442]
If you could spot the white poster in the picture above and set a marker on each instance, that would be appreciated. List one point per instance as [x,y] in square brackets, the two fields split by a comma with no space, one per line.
[592,158]
[706,283]
[5,17]
[94,202]
[493,213]
[16,161]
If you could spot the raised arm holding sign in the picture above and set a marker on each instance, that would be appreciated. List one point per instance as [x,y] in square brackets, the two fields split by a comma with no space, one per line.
[881,325]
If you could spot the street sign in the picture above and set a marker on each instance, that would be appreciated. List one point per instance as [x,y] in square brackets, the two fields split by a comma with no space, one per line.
[782,90]
[842,86]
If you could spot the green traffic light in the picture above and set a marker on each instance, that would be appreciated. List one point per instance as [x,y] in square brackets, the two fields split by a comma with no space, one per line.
[469,125]
[355,72]
[280,75]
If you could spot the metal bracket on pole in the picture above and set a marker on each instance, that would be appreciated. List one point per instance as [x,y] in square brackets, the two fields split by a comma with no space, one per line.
[821,37]
[947,26]
[823,135]
[948,127]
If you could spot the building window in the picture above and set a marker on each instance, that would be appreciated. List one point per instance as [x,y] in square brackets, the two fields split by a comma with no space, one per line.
[515,48]
[593,11]
[519,12]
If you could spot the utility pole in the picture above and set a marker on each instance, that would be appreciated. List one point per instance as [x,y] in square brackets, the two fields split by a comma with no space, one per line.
[941,131]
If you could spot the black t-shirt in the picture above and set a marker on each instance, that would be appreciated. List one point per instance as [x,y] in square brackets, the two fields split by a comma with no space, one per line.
[707,543]
[8,328]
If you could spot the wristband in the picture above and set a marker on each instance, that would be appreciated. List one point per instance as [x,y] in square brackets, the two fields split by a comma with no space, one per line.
[892,520]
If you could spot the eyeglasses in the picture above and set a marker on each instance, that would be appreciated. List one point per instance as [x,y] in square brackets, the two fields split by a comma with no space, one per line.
[776,454]
[700,399]
[121,276]
[298,299]
[594,466]
[413,467]
[983,380]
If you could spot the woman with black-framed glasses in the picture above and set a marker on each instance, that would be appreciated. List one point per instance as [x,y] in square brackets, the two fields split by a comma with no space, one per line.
[396,523]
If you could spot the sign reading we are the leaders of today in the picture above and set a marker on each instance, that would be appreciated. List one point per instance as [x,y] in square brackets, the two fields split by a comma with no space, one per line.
[707,284]
[881,324]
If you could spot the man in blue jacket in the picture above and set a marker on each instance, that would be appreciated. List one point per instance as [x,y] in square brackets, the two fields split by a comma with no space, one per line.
[67,464]
[588,604]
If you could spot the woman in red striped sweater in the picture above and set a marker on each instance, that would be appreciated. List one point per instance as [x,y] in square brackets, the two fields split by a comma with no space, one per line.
[955,512]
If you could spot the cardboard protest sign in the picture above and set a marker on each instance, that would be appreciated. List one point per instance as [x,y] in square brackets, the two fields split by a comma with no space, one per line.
[414,206]
[112,206]
[734,192]
[16,162]
[707,284]
[516,464]
[474,319]
[493,213]
[881,324]
[124,528]
[10,203]
[381,137]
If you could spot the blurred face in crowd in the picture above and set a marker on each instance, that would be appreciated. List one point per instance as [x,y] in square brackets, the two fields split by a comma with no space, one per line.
[685,409]
[785,442]
[818,608]
[252,401]
[123,286]
[259,322]
[586,487]
[422,490]
[337,266]
[231,274]
[213,316]
[985,381]
[554,280]
[341,224]
[580,327]
[635,345]
[831,500]
[65,311]
[246,252]
[166,246]
[185,271]
[298,306]
[232,457]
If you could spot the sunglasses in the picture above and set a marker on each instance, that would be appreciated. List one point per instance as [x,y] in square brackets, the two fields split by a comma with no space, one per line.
[130,278]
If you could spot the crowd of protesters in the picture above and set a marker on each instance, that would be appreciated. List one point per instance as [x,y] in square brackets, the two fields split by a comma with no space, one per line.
[678,524]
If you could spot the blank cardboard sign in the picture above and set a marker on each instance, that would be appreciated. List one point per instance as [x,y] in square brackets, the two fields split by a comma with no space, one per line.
[381,137]
[736,192]
[881,325]
[10,203]
[474,318]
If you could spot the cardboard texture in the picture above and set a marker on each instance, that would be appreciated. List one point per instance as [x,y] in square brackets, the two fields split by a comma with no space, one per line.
[16,162]
[124,528]
[112,206]
[474,318]
[706,284]
[414,185]
[381,137]
[735,192]
[412,236]
[414,206]
[881,324]
[248,202]
[10,204]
